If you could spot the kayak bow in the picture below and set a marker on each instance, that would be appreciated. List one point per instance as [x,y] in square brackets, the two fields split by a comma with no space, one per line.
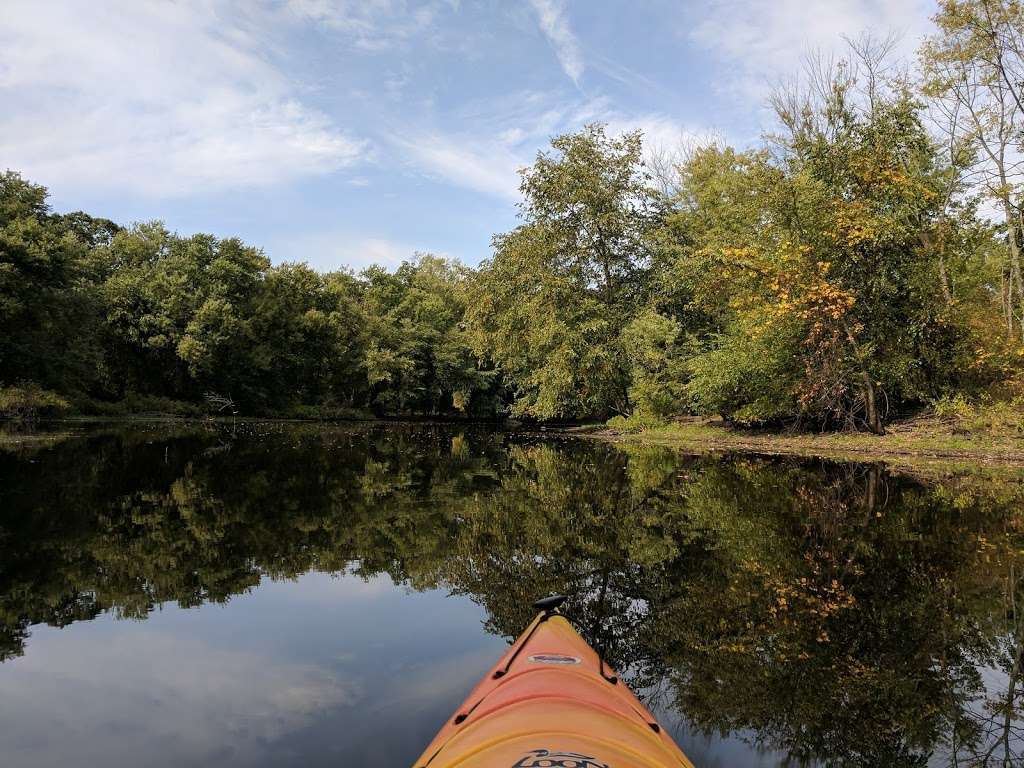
[551,702]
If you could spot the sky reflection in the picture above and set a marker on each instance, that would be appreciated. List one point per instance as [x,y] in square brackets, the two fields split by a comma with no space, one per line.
[294,673]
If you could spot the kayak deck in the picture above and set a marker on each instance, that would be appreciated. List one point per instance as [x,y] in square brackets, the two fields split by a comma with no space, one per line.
[550,702]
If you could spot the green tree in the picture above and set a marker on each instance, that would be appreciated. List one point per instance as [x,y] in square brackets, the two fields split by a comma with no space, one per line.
[652,345]
[417,358]
[814,264]
[181,312]
[48,305]
[548,308]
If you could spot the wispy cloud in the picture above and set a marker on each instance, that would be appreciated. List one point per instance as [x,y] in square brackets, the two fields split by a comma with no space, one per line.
[505,134]
[372,25]
[554,23]
[758,42]
[160,99]
[483,163]
[510,131]
[369,251]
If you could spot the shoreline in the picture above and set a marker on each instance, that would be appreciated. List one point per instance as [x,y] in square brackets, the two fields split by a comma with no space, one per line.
[914,444]
[904,445]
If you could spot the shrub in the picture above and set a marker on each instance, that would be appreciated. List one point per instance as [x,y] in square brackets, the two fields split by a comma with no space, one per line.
[27,400]
[953,407]
[999,418]
[656,360]
[749,378]
[995,417]
[134,404]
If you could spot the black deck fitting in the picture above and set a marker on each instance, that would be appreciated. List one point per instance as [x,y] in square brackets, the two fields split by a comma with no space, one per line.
[549,604]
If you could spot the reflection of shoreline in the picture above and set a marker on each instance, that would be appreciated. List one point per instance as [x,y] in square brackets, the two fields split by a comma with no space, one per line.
[824,591]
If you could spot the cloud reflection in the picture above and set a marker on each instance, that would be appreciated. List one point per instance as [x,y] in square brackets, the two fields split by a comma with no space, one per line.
[160,698]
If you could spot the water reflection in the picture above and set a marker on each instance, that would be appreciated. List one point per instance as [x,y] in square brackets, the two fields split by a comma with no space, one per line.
[812,612]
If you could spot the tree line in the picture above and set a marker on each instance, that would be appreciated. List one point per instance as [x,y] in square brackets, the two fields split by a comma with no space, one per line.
[863,261]
[104,314]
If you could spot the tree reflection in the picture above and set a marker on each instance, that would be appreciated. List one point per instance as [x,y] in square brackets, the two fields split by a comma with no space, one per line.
[838,613]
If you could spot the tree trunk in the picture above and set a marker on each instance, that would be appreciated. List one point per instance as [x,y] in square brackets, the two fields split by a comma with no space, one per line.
[871,494]
[1015,268]
[608,296]
[872,417]
[947,294]
[606,268]
[1006,299]
[871,414]
[1016,279]
[929,245]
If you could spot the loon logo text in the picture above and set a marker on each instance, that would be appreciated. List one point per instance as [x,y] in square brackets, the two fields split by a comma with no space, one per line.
[543,758]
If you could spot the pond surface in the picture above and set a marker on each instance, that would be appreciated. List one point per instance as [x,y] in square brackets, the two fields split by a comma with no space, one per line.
[273,595]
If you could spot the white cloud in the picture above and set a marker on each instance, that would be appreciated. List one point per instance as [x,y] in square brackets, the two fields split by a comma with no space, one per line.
[482,163]
[511,136]
[661,133]
[162,99]
[373,250]
[334,250]
[761,41]
[555,25]
[328,588]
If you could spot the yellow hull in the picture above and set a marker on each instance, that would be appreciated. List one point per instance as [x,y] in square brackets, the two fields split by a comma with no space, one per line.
[551,703]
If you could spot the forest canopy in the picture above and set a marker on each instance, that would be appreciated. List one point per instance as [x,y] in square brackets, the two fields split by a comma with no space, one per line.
[860,263]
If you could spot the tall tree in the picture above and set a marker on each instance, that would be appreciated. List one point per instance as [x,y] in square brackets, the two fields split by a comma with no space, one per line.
[974,67]
[815,256]
[548,308]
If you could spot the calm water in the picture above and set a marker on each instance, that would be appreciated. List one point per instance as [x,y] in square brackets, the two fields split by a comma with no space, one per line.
[303,596]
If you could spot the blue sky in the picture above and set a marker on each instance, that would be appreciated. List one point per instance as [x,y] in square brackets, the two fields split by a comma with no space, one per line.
[345,133]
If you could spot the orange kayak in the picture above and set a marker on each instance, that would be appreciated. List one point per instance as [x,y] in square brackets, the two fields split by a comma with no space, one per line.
[550,702]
